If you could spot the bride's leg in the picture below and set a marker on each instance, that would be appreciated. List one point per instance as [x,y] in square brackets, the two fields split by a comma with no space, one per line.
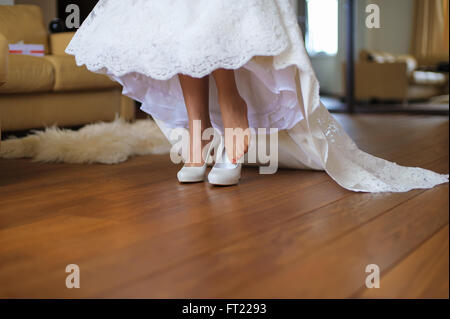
[234,114]
[196,97]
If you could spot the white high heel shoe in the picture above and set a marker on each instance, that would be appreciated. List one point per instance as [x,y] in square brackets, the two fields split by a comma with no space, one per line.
[193,174]
[224,172]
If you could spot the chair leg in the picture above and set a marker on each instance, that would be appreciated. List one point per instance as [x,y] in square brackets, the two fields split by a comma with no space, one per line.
[127,108]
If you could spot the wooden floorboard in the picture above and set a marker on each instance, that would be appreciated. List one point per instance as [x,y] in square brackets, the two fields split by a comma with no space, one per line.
[135,232]
[422,274]
[338,270]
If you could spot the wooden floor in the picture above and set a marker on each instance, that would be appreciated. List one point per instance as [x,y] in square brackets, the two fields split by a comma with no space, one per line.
[135,232]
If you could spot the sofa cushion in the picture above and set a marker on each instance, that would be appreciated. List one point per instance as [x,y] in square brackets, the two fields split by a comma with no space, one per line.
[411,63]
[23,23]
[27,74]
[70,77]
[428,78]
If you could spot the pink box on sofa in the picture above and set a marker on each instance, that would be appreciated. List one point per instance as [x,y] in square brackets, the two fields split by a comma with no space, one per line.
[27,49]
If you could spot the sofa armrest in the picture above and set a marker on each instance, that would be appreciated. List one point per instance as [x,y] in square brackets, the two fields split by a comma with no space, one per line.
[4,52]
[59,42]
[381,80]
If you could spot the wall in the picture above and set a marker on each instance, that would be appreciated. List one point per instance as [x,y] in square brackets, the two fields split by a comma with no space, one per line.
[7,2]
[395,33]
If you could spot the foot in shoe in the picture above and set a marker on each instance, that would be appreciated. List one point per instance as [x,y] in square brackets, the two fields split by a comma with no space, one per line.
[237,131]
[195,154]
[224,172]
[197,143]
[195,173]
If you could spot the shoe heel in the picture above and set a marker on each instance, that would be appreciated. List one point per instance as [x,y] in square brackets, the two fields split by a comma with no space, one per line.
[196,174]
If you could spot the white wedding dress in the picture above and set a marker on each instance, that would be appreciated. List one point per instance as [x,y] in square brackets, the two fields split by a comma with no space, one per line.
[145,44]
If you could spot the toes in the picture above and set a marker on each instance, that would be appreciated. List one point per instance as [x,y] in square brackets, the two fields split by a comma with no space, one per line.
[237,146]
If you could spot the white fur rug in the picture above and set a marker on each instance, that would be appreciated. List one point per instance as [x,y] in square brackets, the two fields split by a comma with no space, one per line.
[106,143]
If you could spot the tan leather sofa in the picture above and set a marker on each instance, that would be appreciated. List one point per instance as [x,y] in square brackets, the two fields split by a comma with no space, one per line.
[42,91]
[3,59]
[384,76]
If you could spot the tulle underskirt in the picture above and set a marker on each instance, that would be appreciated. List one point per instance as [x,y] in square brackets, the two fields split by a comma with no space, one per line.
[271,96]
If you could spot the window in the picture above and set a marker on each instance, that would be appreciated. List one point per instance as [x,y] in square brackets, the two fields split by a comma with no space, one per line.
[322,27]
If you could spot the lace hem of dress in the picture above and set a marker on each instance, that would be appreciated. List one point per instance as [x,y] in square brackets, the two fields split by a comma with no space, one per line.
[199,70]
